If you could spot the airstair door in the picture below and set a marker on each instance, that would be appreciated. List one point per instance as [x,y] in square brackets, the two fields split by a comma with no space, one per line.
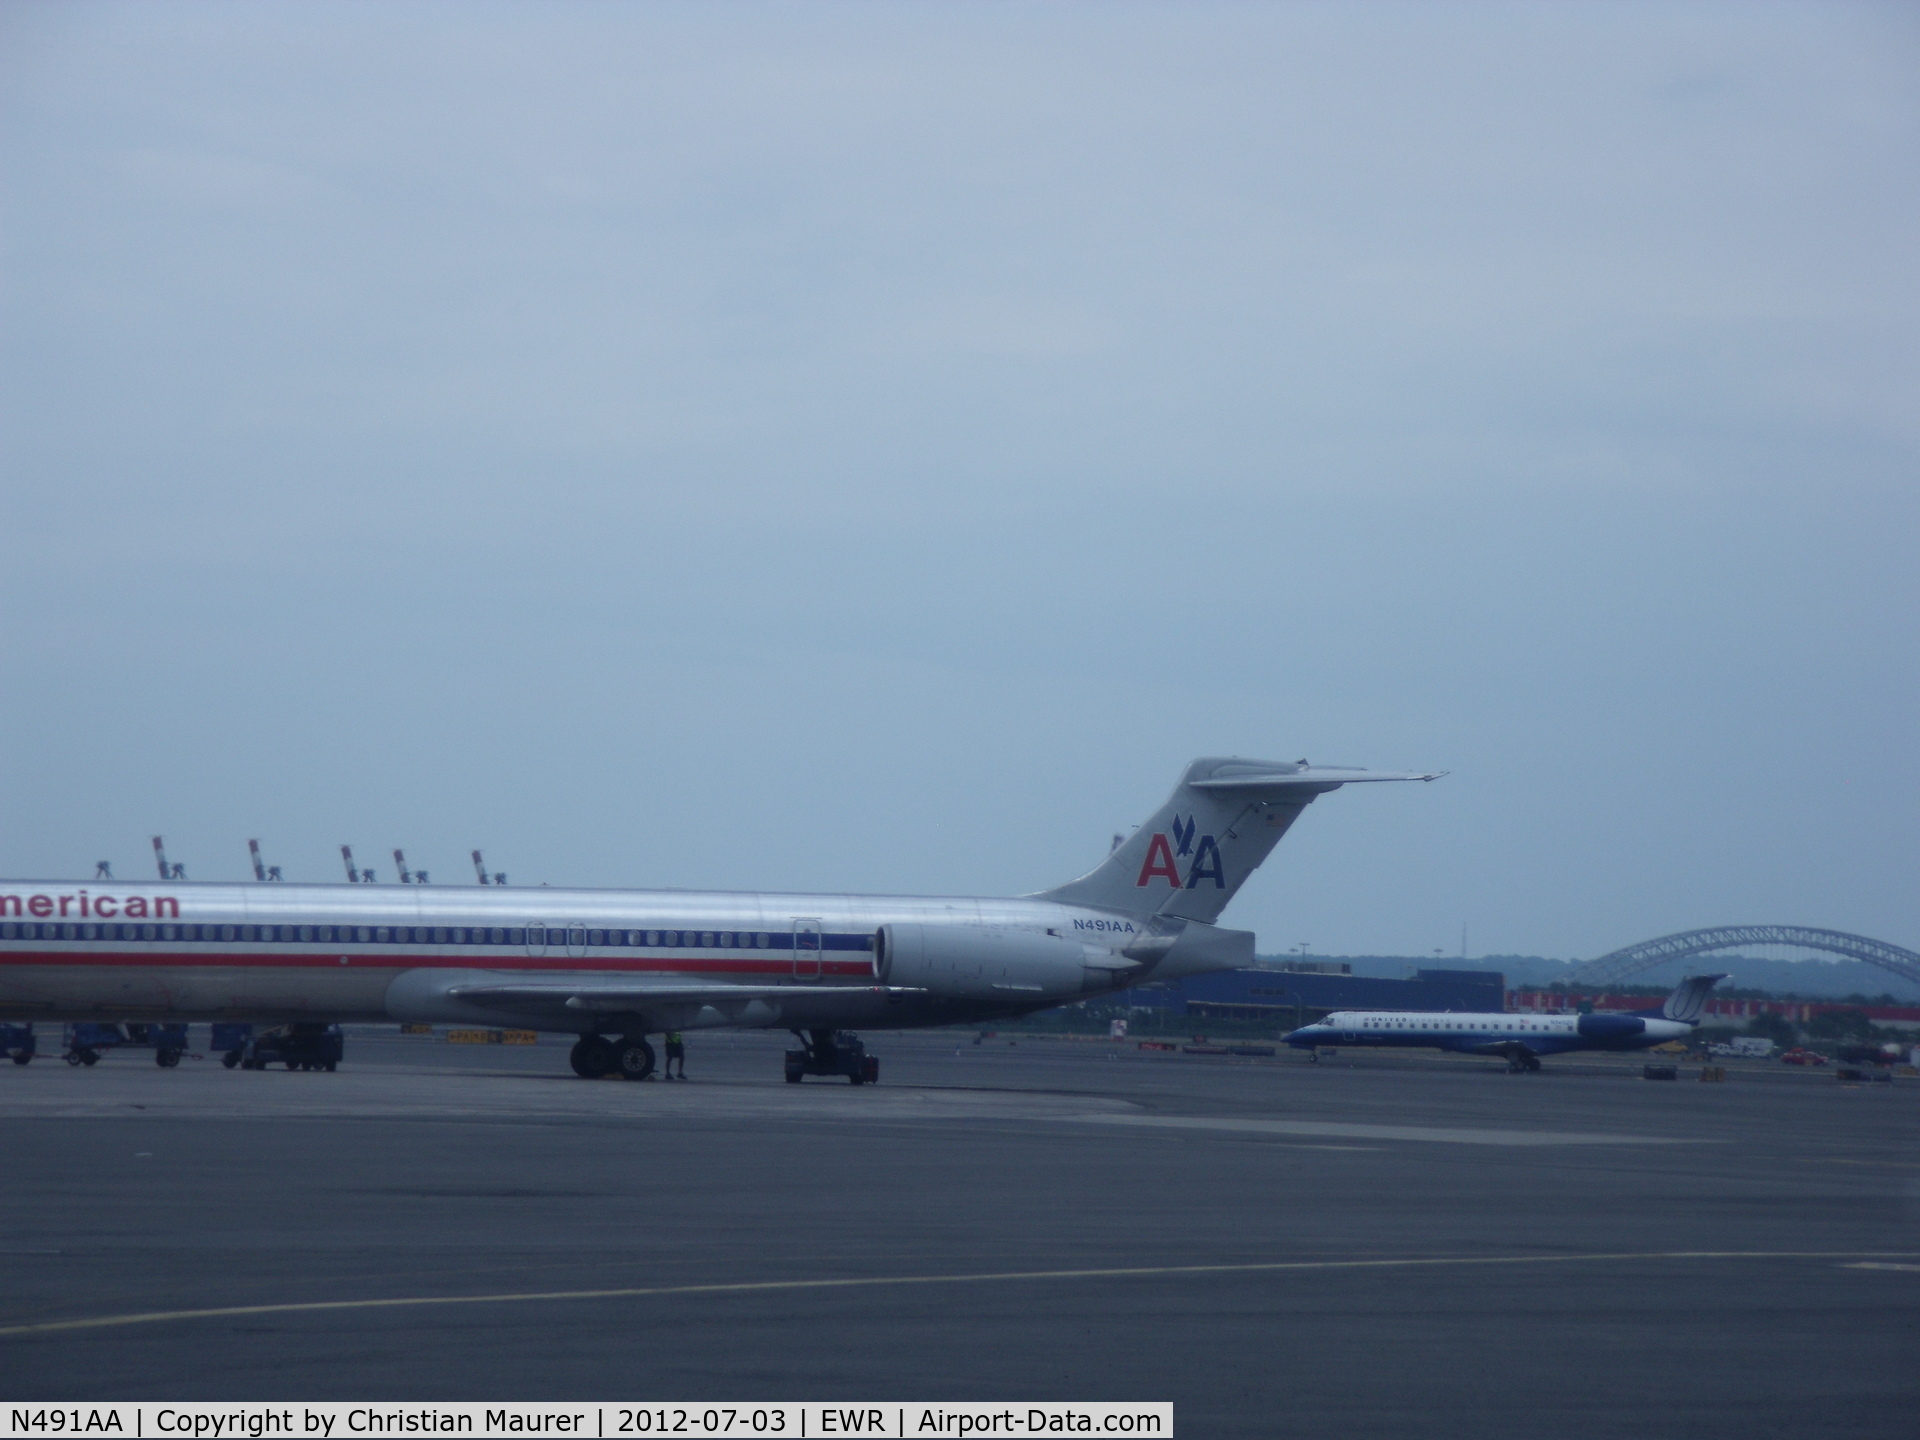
[807,945]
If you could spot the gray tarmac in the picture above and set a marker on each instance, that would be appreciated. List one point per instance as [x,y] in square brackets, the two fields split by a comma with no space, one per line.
[1372,1245]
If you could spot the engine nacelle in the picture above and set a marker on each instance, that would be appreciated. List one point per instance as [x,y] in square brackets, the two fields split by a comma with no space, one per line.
[981,962]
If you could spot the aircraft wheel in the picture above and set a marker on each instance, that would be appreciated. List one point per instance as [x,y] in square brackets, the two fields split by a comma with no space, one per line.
[591,1057]
[166,1059]
[636,1060]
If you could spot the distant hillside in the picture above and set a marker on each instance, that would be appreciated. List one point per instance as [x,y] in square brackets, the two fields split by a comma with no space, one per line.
[1804,979]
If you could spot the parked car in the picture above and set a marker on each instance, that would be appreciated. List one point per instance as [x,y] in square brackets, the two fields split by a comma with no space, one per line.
[1799,1055]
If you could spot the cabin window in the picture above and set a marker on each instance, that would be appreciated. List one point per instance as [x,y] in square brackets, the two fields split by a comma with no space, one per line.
[596,937]
[707,938]
[726,939]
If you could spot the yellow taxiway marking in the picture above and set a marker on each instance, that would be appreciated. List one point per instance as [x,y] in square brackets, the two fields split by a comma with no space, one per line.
[762,1287]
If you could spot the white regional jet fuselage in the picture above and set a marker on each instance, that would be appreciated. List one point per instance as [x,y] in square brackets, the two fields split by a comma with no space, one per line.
[1521,1039]
[635,962]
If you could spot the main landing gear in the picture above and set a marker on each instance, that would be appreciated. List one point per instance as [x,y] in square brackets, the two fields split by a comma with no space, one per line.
[596,1056]
[832,1052]
[1521,1060]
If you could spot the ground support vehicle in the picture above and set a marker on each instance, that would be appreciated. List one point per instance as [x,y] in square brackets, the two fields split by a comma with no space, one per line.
[17,1043]
[230,1041]
[1869,1055]
[298,1047]
[85,1039]
[832,1052]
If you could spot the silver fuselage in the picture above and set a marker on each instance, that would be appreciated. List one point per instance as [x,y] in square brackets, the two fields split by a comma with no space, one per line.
[281,953]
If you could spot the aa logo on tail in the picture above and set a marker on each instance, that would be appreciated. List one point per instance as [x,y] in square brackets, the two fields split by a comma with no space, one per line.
[1163,859]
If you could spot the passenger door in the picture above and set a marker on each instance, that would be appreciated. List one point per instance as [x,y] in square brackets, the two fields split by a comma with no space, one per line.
[808,942]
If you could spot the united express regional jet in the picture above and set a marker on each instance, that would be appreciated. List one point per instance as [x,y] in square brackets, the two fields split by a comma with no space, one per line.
[614,966]
[1519,1039]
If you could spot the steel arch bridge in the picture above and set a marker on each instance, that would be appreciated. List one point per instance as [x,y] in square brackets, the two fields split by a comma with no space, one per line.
[1609,969]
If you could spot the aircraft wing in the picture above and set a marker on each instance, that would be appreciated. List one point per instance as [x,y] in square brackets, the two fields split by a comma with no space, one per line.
[622,995]
[1500,1047]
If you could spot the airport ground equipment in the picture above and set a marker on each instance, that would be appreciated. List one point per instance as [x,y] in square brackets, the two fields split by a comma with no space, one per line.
[17,1043]
[83,1041]
[832,1052]
[230,1041]
[298,1047]
[261,870]
[167,871]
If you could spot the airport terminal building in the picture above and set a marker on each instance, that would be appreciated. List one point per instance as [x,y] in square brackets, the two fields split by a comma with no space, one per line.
[1296,992]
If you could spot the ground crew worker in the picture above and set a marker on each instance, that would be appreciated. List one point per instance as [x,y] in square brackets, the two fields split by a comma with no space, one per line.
[676,1050]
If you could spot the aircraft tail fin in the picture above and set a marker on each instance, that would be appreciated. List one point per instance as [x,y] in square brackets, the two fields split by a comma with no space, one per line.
[1223,818]
[1687,1002]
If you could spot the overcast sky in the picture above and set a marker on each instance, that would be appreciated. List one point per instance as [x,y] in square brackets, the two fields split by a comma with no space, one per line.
[876,446]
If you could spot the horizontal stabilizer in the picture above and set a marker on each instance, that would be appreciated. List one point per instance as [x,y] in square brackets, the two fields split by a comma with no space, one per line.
[1315,779]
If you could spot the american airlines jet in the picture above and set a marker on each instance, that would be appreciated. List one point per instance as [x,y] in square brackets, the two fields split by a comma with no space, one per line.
[614,966]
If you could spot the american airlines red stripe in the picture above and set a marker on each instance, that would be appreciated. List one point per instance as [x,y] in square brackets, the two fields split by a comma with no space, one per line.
[412,960]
